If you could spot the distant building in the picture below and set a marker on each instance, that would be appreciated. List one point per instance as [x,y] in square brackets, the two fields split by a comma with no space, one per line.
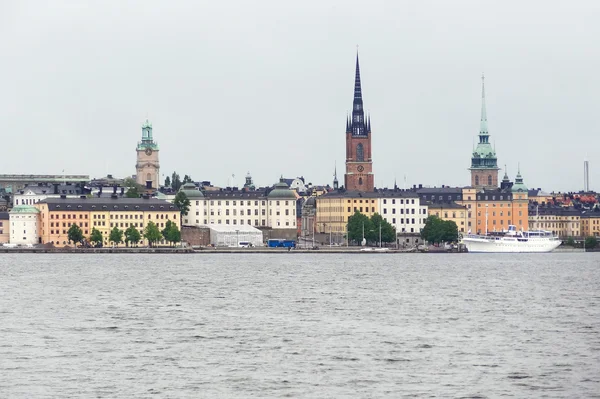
[563,222]
[359,163]
[147,165]
[590,223]
[484,164]
[31,195]
[452,212]
[24,225]
[58,214]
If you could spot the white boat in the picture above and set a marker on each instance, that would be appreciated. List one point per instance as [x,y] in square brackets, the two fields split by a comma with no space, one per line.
[512,241]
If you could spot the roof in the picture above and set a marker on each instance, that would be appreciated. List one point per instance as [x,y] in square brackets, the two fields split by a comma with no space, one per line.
[235,194]
[24,209]
[4,216]
[450,205]
[108,204]
[191,191]
[370,194]
[282,190]
[441,190]
[553,210]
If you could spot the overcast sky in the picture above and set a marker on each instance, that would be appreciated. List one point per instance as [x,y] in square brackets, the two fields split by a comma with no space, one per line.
[265,86]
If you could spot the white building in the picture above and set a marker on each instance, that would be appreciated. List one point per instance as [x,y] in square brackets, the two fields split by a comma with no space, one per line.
[33,194]
[275,209]
[403,210]
[24,225]
[234,236]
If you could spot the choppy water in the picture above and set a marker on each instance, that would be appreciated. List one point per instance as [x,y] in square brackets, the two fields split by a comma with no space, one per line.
[293,325]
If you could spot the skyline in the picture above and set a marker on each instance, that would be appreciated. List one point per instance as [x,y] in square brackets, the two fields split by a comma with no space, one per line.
[262,94]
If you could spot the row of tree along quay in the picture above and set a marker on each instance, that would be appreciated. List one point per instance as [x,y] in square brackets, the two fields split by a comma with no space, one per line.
[131,237]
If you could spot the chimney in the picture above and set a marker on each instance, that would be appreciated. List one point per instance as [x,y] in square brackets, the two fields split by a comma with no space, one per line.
[420,186]
[115,189]
[100,192]
[55,188]
[122,190]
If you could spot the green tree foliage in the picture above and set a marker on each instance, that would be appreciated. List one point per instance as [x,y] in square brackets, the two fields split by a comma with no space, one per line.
[388,232]
[187,179]
[355,227]
[175,181]
[116,236]
[96,236]
[152,233]
[132,192]
[437,230]
[132,235]
[182,202]
[171,233]
[591,242]
[75,234]
[133,189]
[570,242]
[167,181]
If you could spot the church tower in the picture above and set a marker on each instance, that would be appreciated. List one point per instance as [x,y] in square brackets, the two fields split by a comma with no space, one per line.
[484,164]
[147,166]
[359,164]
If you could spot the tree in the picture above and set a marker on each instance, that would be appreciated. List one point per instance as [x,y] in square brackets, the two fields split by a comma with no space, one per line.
[437,230]
[187,179]
[570,242]
[388,232]
[175,181]
[167,181]
[116,236]
[132,193]
[591,242]
[75,234]
[171,233]
[356,223]
[132,235]
[96,236]
[152,233]
[182,202]
[133,189]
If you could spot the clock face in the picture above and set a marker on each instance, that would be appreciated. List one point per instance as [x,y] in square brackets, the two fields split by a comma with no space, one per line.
[360,168]
[148,151]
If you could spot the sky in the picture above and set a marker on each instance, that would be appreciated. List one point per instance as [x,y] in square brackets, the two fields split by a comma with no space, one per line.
[265,86]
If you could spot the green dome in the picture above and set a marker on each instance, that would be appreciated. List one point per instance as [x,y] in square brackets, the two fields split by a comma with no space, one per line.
[25,209]
[281,190]
[191,191]
[519,186]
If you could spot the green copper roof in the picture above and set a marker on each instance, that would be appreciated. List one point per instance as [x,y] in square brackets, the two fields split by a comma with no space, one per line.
[282,190]
[519,186]
[484,155]
[191,191]
[24,209]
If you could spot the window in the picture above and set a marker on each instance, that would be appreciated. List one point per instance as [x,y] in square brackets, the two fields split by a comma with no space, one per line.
[489,180]
[476,180]
[360,181]
[360,155]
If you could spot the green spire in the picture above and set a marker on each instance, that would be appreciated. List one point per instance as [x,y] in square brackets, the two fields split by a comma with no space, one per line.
[519,185]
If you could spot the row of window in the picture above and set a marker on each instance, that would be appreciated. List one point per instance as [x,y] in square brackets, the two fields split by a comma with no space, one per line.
[69,216]
[412,211]
[242,203]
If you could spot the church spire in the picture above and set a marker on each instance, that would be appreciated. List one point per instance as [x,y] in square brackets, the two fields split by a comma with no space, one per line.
[335,179]
[483,129]
[358,124]
[357,88]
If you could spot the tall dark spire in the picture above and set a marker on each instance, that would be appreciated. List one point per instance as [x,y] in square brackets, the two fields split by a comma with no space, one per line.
[357,89]
[358,125]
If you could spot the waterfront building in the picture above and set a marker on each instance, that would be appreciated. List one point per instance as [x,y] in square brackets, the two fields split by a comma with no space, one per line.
[484,163]
[58,214]
[275,209]
[359,163]
[24,225]
[402,209]
[563,222]
[450,211]
[147,165]
[590,223]
[4,228]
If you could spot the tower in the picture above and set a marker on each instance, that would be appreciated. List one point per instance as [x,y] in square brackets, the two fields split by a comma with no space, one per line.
[484,164]
[147,166]
[586,176]
[359,164]
[335,179]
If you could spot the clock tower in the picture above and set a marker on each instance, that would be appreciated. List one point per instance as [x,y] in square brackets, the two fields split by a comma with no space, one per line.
[147,167]
[359,164]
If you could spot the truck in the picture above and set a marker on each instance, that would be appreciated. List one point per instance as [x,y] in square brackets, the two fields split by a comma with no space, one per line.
[281,243]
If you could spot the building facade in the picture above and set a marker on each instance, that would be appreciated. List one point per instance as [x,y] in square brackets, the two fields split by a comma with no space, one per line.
[24,225]
[484,163]
[58,214]
[4,228]
[359,162]
[563,222]
[147,166]
[590,223]
[452,212]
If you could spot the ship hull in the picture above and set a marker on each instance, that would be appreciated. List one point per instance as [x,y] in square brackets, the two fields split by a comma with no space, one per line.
[510,245]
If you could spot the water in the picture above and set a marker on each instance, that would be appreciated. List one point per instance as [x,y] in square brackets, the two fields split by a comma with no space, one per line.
[299,325]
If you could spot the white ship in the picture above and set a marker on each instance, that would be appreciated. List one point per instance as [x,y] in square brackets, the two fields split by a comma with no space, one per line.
[512,241]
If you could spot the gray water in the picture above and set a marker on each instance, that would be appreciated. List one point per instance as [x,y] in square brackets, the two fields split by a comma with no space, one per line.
[299,325]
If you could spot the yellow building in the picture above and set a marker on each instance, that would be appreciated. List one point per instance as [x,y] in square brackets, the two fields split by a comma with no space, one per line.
[103,214]
[334,209]
[590,224]
[452,212]
[561,221]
